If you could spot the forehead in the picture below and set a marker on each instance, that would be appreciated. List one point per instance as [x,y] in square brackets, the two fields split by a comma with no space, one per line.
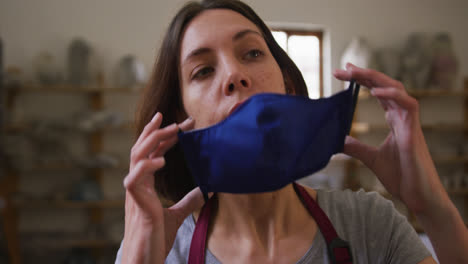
[213,27]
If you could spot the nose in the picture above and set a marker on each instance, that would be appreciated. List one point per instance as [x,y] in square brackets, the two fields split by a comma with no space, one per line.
[236,80]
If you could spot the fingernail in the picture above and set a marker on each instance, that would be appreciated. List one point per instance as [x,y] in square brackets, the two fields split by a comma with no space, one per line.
[349,65]
[189,119]
[155,116]
[172,126]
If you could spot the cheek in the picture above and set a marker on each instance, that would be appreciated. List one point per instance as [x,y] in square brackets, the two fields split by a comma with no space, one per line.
[271,79]
[201,107]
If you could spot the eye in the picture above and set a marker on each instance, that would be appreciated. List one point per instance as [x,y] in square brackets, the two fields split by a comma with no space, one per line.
[203,73]
[252,54]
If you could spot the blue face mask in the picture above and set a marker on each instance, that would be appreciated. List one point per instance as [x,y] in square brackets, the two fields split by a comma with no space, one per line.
[270,141]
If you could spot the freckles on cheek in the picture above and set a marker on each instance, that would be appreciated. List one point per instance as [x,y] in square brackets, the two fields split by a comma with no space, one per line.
[206,114]
[193,108]
[203,106]
[197,108]
[213,118]
[270,81]
[209,114]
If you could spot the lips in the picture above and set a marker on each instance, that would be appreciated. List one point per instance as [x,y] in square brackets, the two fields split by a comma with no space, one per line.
[233,108]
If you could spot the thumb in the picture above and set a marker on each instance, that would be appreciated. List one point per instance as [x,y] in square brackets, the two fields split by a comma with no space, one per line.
[191,202]
[360,151]
[350,66]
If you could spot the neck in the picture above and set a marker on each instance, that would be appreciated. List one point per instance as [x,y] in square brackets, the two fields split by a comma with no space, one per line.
[261,219]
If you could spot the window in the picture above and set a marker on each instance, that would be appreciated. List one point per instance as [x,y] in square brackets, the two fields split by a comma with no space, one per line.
[305,49]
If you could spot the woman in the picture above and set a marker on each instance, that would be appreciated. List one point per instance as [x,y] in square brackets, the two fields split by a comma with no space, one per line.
[217,54]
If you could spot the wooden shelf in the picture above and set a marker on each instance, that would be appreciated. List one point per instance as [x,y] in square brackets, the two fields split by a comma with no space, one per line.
[72,89]
[68,166]
[450,160]
[88,243]
[437,93]
[55,243]
[363,128]
[68,204]
[461,191]
[437,160]
[365,94]
[125,127]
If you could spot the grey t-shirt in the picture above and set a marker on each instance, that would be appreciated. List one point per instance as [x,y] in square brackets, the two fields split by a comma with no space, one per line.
[376,232]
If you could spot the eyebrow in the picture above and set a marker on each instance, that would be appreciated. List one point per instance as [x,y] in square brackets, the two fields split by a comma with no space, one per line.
[244,32]
[201,51]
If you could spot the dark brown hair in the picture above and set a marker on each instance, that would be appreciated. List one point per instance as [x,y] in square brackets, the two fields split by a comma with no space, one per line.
[162,93]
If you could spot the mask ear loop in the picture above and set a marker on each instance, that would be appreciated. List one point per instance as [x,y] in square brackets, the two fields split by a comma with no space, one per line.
[205,196]
[355,87]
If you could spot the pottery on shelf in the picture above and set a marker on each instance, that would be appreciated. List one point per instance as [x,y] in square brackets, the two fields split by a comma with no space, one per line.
[130,72]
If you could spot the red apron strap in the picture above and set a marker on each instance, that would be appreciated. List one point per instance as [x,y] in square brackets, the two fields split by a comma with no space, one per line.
[198,245]
[338,250]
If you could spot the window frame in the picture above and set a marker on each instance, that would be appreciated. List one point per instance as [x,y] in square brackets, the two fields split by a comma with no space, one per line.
[315,33]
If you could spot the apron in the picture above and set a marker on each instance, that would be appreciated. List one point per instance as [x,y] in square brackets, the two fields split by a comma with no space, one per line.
[338,250]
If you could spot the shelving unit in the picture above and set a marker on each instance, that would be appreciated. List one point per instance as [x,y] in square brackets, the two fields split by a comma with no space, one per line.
[364,94]
[18,128]
[52,244]
[67,204]
[9,184]
[362,128]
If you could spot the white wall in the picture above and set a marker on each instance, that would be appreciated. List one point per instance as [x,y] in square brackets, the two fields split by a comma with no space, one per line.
[119,27]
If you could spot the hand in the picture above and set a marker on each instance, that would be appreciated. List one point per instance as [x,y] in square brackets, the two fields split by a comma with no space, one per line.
[150,229]
[402,162]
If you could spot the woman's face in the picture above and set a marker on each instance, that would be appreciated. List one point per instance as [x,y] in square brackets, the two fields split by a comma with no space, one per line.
[224,60]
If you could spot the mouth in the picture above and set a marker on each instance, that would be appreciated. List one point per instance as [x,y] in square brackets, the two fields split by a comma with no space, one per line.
[234,107]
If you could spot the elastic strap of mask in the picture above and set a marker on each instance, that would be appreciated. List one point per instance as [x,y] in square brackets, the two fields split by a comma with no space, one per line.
[205,196]
[355,88]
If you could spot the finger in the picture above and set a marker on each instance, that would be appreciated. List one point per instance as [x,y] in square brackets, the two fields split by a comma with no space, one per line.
[143,169]
[360,151]
[191,202]
[188,124]
[384,104]
[367,77]
[372,78]
[155,123]
[142,195]
[399,96]
[164,146]
[152,141]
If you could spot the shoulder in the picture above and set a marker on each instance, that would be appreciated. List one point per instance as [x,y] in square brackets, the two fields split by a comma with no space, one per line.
[372,225]
[180,250]
[350,203]
[364,212]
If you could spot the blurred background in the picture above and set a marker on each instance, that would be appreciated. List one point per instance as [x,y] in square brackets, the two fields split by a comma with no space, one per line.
[72,73]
